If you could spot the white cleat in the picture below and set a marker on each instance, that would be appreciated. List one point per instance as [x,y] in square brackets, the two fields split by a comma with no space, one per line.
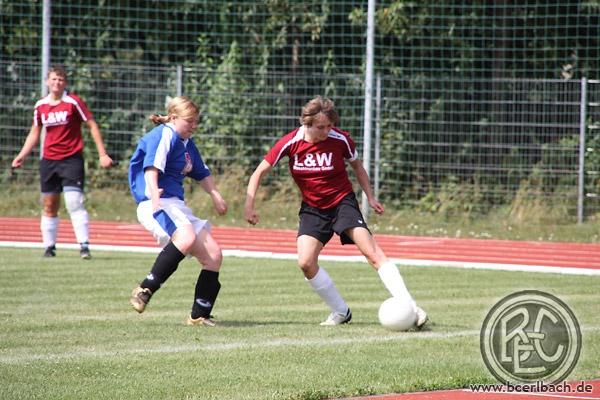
[422,318]
[337,319]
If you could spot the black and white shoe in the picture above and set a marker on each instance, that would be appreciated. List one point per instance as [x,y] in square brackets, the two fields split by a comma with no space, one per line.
[85,253]
[337,319]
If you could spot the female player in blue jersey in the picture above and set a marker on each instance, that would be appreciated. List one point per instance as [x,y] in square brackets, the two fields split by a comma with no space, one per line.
[162,159]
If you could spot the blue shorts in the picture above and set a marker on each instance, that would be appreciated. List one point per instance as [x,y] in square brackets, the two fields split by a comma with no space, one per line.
[173,214]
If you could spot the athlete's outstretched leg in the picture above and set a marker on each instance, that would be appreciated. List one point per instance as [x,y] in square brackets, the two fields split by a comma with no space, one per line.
[165,264]
[387,270]
[210,256]
[320,281]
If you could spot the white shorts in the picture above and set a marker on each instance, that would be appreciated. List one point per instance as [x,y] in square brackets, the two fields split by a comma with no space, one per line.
[173,214]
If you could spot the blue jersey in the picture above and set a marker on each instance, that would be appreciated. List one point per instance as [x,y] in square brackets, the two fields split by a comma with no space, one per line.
[175,158]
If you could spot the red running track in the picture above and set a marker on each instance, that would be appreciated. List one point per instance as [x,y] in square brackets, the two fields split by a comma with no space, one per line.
[472,253]
[586,390]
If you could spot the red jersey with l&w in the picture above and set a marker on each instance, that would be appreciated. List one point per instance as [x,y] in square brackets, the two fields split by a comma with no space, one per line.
[319,169]
[62,122]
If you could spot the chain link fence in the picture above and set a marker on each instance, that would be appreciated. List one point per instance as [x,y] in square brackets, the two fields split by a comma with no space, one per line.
[466,118]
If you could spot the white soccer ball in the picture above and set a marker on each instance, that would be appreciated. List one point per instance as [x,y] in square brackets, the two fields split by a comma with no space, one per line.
[397,315]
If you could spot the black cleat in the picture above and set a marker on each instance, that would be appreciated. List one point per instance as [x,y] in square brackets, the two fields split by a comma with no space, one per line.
[50,251]
[85,253]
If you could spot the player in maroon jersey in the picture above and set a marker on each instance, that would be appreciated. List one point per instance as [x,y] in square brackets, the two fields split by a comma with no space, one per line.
[318,152]
[60,115]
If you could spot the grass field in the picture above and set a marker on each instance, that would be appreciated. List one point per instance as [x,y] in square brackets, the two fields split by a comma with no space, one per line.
[68,332]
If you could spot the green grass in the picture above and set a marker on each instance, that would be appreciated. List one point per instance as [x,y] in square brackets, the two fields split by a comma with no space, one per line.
[68,332]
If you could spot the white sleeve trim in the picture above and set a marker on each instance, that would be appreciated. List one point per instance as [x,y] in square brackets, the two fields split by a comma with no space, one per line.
[335,135]
[163,148]
[299,136]
[68,99]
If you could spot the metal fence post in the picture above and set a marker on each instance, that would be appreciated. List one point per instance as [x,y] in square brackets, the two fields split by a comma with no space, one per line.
[179,89]
[377,136]
[46,29]
[582,123]
[46,36]
[368,99]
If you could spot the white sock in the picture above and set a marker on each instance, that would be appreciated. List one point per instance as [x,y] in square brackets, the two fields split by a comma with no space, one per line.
[49,228]
[393,282]
[325,288]
[79,215]
[80,223]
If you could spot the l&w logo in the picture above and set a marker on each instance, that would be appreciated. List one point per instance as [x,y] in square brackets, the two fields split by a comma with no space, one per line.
[55,118]
[314,162]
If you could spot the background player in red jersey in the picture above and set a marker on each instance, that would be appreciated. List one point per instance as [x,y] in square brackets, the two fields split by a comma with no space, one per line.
[61,114]
[318,152]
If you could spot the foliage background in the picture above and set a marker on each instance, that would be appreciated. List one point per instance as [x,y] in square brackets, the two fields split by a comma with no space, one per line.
[480,104]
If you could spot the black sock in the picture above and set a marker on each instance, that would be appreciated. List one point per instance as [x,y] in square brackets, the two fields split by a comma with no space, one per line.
[166,263]
[207,289]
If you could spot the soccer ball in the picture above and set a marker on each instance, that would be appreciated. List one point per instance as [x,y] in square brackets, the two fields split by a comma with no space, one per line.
[397,315]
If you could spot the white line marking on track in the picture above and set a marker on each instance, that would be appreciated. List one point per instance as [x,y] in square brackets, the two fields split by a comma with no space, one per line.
[293,256]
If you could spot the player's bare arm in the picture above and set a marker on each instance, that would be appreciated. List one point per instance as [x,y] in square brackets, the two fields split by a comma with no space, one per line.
[30,142]
[105,160]
[209,186]
[151,178]
[365,184]
[250,214]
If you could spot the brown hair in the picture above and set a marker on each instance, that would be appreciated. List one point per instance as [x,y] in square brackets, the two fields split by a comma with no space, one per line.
[181,107]
[318,105]
[58,70]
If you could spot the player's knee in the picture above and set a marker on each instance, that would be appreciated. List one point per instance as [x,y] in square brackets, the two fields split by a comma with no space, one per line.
[215,258]
[210,258]
[374,255]
[74,202]
[184,242]
[50,210]
[213,264]
[371,258]
[308,267]
[50,204]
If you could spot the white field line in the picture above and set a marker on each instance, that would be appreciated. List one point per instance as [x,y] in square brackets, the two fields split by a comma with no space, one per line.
[293,256]
[231,346]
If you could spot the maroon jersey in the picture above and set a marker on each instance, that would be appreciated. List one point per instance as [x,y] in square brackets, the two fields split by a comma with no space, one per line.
[319,169]
[63,125]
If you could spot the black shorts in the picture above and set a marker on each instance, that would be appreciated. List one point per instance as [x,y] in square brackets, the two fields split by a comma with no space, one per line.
[56,174]
[321,223]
